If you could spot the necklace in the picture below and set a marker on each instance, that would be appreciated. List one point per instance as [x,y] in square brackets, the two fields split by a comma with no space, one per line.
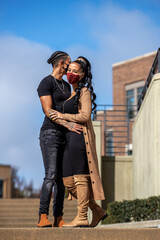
[61,88]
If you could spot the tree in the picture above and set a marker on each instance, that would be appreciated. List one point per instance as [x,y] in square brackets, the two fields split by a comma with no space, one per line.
[19,187]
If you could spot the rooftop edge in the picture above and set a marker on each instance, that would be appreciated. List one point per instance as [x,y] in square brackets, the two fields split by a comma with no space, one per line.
[133,59]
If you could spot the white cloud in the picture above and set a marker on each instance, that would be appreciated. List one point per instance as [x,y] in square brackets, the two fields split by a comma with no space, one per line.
[118,34]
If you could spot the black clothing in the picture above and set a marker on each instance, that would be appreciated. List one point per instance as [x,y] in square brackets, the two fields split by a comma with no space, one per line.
[52,147]
[75,157]
[50,86]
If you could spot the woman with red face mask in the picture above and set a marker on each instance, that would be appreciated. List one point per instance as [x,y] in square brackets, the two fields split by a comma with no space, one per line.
[53,91]
[80,164]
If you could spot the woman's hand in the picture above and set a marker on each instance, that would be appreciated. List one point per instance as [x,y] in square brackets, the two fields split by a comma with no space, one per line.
[54,115]
[75,127]
[57,117]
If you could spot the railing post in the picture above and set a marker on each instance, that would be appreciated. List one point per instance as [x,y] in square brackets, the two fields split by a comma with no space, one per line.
[155,65]
[105,134]
[127,117]
[158,60]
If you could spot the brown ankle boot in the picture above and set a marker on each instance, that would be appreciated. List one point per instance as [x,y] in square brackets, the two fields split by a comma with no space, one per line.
[82,187]
[98,213]
[70,185]
[58,222]
[43,221]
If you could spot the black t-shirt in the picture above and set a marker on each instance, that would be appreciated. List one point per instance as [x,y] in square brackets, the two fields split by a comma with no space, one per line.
[51,86]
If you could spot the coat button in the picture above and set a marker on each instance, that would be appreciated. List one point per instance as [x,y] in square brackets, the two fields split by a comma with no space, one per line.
[89,161]
[86,142]
[91,172]
[88,152]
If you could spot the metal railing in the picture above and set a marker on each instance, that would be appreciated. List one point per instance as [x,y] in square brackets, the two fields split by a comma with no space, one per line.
[154,69]
[116,127]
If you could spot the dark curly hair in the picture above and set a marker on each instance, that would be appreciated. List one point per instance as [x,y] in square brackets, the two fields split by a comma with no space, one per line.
[56,57]
[86,81]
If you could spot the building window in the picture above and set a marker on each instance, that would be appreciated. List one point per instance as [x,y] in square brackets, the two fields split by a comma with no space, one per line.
[128,149]
[1,188]
[133,93]
[139,92]
[109,143]
[130,100]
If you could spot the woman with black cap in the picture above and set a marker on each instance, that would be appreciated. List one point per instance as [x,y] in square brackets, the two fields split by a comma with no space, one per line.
[53,91]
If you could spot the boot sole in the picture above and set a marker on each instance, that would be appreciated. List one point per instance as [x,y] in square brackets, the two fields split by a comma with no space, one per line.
[45,226]
[82,226]
[105,216]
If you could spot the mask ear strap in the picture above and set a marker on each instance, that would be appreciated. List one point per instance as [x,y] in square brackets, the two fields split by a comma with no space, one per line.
[66,69]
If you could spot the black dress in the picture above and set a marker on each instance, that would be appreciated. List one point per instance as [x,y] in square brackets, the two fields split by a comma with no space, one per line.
[75,157]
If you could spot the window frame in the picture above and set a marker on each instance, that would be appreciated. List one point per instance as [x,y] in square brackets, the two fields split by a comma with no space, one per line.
[134,86]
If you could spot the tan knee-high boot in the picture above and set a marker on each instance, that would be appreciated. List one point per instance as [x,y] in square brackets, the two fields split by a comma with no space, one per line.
[98,213]
[82,187]
[71,187]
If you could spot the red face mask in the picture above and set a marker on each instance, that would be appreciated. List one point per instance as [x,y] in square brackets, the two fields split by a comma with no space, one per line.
[72,78]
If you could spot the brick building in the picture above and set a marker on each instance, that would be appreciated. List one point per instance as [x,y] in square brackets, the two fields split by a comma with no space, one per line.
[128,81]
[5,181]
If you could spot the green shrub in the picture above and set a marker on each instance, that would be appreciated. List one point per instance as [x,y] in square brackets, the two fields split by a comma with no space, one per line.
[135,210]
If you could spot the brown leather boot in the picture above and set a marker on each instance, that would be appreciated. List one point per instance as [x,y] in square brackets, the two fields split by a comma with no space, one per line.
[70,185]
[81,183]
[98,213]
[58,222]
[43,221]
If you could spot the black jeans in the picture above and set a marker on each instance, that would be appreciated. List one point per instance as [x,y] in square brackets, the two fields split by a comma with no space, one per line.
[52,147]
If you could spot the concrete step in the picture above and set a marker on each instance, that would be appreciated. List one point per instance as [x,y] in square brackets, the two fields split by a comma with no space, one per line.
[21,224]
[26,222]
[78,234]
[24,212]
[19,200]
[29,203]
[27,219]
[31,206]
[27,214]
[36,208]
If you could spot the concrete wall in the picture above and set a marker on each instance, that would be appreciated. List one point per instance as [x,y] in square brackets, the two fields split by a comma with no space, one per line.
[116,173]
[117,178]
[146,143]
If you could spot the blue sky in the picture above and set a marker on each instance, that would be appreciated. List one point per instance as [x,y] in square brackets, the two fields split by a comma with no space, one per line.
[103,31]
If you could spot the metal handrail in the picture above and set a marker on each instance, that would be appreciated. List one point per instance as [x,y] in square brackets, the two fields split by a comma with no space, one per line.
[154,69]
[116,124]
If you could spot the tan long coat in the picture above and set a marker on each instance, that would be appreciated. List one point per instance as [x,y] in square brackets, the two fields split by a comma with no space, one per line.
[84,116]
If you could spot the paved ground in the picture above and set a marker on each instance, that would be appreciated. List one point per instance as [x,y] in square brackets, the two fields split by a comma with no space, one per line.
[79,234]
[143,224]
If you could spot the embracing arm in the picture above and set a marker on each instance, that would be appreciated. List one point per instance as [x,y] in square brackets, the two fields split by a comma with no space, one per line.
[46,102]
[86,108]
